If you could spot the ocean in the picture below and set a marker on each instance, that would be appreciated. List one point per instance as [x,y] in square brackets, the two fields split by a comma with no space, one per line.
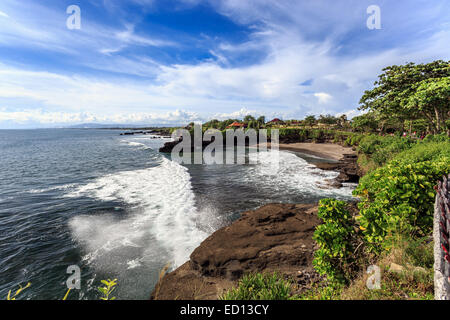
[116,208]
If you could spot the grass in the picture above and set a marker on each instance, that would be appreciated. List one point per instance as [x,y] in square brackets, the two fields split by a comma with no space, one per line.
[413,282]
[261,286]
[323,291]
[162,274]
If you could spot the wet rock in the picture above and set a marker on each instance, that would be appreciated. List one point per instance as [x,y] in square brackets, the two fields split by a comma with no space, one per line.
[275,237]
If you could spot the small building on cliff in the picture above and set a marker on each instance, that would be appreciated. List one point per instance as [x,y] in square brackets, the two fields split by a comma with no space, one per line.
[237,125]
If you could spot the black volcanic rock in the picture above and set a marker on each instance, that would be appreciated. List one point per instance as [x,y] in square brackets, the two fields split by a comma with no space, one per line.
[275,237]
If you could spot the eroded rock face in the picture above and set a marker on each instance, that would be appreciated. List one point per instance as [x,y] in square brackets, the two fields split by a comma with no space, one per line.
[168,146]
[275,237]
[347,168]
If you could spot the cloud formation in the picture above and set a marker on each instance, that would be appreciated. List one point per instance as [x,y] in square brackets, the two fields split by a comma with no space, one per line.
[284,59]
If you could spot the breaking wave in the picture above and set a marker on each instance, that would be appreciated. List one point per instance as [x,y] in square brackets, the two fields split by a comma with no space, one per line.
[162,218]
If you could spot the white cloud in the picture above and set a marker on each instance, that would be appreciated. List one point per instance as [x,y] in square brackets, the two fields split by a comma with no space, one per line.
[291,46]
[38,116]
[352,113]
[36,26]
[323,97]
[236,114]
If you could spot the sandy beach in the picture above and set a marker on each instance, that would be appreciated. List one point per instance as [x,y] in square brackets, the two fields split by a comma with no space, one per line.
[324,150]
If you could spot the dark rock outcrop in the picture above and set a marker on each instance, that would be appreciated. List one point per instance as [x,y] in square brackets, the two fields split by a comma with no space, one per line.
[275,237]
[347,168]
[168,146]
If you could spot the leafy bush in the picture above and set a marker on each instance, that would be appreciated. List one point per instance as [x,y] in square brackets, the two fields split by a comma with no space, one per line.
[425,151]
[303,135]
[318,136]
[335,238]
[382,148]
[398,198]
[436,138]
[261,287]
[356,139]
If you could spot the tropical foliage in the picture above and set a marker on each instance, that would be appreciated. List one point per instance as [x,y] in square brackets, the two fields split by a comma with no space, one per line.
[336,238]
[261,286]
[398,198]
[412,91]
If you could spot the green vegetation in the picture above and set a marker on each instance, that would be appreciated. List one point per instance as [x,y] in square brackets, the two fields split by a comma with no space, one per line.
[107,289]
[395,222]
[16,294]
[397,199]
[413,280]
[336,238]
[382,148]
[410,92]
[261,286]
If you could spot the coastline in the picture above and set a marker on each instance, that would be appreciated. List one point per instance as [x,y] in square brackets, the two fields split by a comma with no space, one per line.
[274,237]
[329,151]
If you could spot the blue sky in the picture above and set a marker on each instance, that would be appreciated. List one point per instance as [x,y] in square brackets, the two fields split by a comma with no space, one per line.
[172,62]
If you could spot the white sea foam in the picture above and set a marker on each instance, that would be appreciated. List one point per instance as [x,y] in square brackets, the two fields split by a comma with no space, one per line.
[282,169]
[136,144]
[61,187]
[162,222]
[163,215]
[146,142]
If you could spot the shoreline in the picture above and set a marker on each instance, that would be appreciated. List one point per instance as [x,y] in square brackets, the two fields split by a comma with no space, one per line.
[274,237]
[326,151]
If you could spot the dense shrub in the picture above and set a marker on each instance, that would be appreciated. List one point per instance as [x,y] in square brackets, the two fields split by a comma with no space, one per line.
[318,136]
[382,148]
[289,134]
[303,135]
[261,286]
[356,139]
[398,198]
[335,238]
[425,151]
[436,138]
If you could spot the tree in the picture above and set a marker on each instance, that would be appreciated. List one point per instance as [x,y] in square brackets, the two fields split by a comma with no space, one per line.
[342,121]
[328,119]
[310,120]
[249,118]
[262,120]
[215,124]
[365,123]
[432,99]
[394,88]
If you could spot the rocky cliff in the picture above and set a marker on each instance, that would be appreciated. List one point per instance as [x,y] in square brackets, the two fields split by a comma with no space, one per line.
[275,237]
